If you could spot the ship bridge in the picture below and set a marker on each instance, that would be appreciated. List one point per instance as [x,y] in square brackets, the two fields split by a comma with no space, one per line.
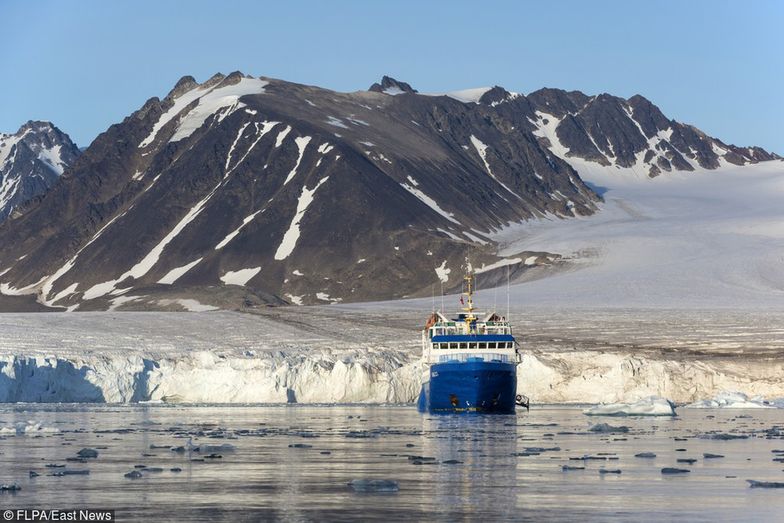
[470,336]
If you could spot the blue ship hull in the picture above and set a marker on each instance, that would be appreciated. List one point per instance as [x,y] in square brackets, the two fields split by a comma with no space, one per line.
[473,386]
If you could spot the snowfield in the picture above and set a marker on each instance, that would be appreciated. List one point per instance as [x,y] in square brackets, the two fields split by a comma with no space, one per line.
[346,353]
[705,239]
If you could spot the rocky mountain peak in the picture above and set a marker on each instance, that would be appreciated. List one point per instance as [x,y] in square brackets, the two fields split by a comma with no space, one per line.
[233,78]
[495,95]
[31,160]
[183,85]
[389,85]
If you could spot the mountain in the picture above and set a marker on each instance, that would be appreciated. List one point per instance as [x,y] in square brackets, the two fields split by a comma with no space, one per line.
[31,160]
[241,191]
[632,133]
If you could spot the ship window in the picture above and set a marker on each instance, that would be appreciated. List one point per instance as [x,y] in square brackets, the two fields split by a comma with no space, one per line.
[491,345]
[463,345]
[435,345]
[482,345]
[508,344]
[453,345]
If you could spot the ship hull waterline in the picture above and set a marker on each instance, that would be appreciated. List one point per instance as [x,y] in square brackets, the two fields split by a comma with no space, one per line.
[469,387]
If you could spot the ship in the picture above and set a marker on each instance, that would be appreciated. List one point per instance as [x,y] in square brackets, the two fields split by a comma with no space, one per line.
[469,361]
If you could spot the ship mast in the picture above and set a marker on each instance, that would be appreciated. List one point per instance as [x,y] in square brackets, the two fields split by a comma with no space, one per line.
[469,302]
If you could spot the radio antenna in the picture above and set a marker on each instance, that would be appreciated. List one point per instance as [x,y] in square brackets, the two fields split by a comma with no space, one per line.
[507,293]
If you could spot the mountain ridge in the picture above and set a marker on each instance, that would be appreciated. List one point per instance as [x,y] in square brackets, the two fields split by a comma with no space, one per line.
[266,191]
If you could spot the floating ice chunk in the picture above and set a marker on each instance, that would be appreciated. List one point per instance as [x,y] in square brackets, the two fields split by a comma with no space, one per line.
[374,485]
[29,427]
[731,400]
[650,406]
[225,447]
[673,470]
[13,487]
[605,427]
[708,455]
[645,455]
[725,437]
[87,453]
[134,474]
[765,484]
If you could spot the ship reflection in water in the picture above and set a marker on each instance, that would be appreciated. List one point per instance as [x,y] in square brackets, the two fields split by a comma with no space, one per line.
[357,463]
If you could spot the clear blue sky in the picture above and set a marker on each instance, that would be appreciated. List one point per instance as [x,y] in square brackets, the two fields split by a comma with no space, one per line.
[86,64]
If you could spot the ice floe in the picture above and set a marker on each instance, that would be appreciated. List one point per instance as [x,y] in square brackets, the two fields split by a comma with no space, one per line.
[734,400]
[650,406]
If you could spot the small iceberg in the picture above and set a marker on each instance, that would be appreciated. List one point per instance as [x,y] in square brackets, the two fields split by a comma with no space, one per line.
[734,400]
[30,427]
[650,406]
[374,485]
[87,453]
[607,428]
[765,484]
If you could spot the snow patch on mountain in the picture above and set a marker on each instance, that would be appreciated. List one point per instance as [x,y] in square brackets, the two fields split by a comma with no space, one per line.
[427,200]
[291,236]
[302,143]
[221,101]
[176,273]
[225,241]
[240,277]
[472,95]
[282,136]
[443,272]
[260,132]
[481,149]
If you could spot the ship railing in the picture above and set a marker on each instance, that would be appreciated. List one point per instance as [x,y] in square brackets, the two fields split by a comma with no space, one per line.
[467,357]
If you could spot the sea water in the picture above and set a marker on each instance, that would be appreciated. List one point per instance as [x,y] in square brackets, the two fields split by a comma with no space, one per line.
[317,463]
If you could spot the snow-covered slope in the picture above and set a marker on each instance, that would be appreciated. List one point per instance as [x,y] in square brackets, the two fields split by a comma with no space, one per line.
[702,239]
[31,160]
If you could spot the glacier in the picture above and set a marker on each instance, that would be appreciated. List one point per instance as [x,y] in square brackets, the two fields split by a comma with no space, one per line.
[360,354]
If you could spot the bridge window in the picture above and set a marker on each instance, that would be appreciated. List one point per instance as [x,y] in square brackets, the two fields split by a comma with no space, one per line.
[453,345]
[491,345]
[482,345]
[463,345]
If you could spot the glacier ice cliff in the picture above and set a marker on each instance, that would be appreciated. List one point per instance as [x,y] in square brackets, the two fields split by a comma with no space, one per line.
[342,355]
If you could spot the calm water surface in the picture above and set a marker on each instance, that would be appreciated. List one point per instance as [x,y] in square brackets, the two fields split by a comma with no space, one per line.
[294,463]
